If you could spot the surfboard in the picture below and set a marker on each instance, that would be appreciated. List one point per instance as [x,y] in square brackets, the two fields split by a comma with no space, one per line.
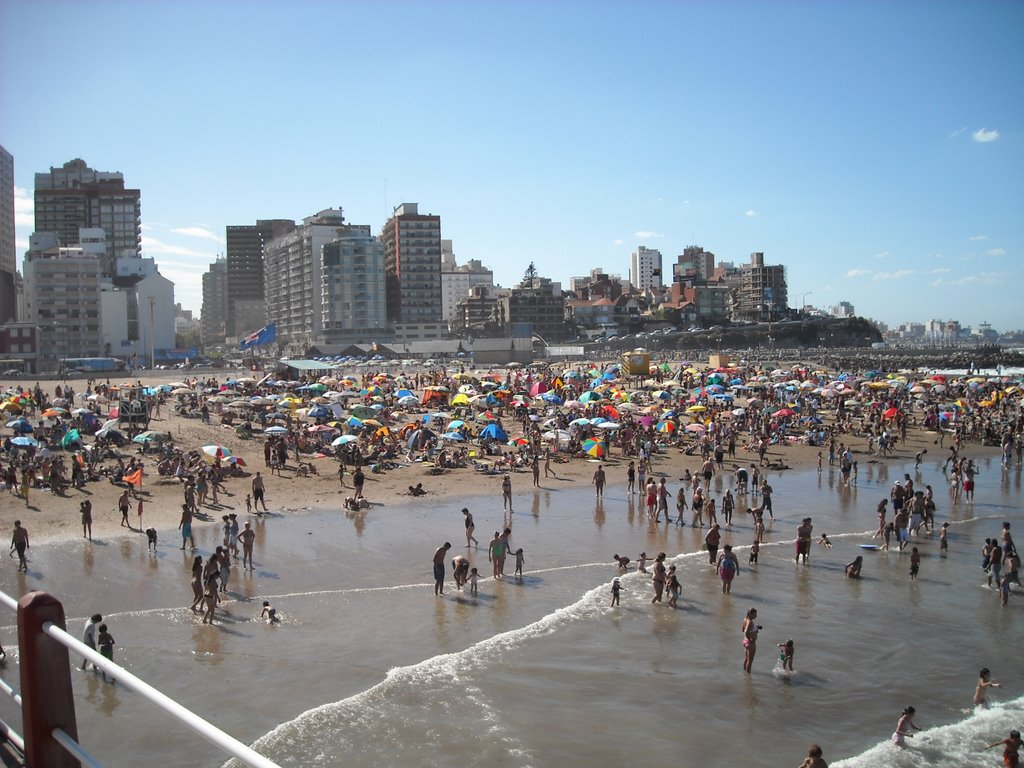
[869,546]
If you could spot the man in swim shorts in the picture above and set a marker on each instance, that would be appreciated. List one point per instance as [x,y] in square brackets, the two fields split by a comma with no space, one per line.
[439,556]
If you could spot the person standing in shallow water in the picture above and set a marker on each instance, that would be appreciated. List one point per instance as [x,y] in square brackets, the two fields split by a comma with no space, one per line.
[750,628]
[439,556]
[658,577]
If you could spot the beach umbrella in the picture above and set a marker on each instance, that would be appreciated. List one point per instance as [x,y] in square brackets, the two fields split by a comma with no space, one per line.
[460,399]
[152,436]
[344,440]
[320,428]
[457,437]
[53,413]
[666,426]
[24,442]
[608,425]
[404,393]
[783,413]
[408,400]
[596,448]
[318,412]
[277,430]
[213,452]
[695,428]
[890,413]
[486,416]
[363,412]
[696,409]
[579,422]
[20,425]
[589,396]
[559,435]
[551,397]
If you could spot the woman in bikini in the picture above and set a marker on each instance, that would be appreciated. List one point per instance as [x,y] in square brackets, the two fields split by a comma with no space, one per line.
[750,630]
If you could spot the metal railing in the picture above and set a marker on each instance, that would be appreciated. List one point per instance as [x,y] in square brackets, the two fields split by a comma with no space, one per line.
[47,703]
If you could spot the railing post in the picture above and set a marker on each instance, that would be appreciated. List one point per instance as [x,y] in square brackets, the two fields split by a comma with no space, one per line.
[47,697]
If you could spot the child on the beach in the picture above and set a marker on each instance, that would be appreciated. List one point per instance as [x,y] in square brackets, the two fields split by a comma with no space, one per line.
[984,682]
[819,461]
[1004,589]
[474,577]
[151,538]
[519,563]
[641,565]
[943,539]
[787,651]
[823,541]
[248,503]
[915,562]
[105,641]
[755,548]
[674,587]
[622,561]
[269,613]
[887,533]
[616,589]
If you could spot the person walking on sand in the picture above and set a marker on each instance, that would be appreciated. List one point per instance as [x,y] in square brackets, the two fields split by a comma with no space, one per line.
[439,556]
[259,490]
[905,727]
[750,628]
[86,509]
[19,543]
[470,527]
[124,504]
[506,493]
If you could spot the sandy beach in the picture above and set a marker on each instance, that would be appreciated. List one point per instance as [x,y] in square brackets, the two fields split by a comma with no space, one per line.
[52,517]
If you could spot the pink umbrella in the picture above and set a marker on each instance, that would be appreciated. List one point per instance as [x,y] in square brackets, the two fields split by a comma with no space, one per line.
[538,388]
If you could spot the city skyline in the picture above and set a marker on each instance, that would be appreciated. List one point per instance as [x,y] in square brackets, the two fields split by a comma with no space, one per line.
[873,150]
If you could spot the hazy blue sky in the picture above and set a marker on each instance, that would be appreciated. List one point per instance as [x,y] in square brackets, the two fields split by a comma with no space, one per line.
[873,148]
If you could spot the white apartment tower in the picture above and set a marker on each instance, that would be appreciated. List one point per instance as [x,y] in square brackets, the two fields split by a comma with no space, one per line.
[645,268]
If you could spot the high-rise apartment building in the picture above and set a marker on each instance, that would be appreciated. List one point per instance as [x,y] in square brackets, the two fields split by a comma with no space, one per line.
[645,268]
[75,197]
[8,258]
[762,294]
[353,304]
[246,309]
[215,302]
[63,288]
[412,259]
[293,274]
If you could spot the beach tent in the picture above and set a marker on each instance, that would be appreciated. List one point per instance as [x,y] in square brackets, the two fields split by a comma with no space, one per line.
[493,432]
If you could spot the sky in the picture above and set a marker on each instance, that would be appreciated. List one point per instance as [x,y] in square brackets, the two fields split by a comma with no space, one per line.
[875,149]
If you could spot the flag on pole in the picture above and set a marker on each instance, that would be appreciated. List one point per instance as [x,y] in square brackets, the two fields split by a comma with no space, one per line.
[265,335]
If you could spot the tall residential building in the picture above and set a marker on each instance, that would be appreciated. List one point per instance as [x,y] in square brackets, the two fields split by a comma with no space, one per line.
[538,308]
[292,270]
[412,258]
[63,288]
[246,297]
[215,302]
[354,297]
[762,294]
[8,258]
[645,268]
[76,196]
[693,263]
[457,281]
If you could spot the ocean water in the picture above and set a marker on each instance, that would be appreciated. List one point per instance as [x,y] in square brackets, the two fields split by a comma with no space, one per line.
[367,667]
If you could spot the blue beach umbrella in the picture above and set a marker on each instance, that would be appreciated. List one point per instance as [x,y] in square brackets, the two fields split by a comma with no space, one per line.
[25,442]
